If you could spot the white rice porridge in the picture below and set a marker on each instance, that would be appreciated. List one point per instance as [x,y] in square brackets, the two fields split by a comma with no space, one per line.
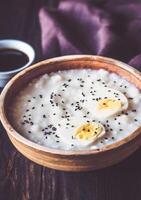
[77,109]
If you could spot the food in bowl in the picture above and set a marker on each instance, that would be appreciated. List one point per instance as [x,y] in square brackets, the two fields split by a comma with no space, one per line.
[77,109]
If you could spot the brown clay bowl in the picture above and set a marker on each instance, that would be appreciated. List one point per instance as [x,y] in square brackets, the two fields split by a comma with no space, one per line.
[60,159]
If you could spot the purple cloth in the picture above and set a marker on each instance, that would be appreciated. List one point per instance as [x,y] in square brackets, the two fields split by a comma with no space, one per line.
[79,28]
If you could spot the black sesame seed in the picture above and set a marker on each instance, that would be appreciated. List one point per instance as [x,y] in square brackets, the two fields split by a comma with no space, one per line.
[48,133]
[51,101]
[26,121]
[41,96]
[83,94]
[44,116]
[54,129]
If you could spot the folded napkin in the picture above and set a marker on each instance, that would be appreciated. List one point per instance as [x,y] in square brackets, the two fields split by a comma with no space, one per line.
[110,29]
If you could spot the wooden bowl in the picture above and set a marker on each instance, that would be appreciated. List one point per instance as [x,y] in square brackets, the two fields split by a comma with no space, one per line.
[83,160]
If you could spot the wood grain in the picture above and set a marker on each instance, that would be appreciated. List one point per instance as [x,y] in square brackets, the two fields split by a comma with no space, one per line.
[119,182]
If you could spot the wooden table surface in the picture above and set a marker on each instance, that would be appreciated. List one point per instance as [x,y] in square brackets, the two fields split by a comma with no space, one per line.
[21,179]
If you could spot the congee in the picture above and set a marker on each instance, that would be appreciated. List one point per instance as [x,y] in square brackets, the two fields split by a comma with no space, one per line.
[77,109]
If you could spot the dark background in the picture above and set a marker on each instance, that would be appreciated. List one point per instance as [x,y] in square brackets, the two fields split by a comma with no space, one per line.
[21,179]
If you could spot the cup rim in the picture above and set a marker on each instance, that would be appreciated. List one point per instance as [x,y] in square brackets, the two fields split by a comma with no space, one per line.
[25,45]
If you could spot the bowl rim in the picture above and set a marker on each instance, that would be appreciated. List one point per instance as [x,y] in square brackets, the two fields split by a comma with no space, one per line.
[11,131]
